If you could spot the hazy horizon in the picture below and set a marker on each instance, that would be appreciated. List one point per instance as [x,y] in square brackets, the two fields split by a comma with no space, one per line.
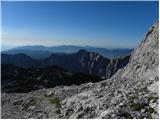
[4,48]
[98,24]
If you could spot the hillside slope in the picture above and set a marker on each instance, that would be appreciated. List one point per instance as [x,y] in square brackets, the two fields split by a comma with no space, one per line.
[82,61]
[131,93]
[127,94]
[22,80]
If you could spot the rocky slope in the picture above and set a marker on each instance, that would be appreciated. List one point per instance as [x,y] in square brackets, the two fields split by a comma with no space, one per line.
[131,93]
[82,61]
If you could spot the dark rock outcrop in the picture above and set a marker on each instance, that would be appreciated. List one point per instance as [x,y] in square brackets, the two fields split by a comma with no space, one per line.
[82,61]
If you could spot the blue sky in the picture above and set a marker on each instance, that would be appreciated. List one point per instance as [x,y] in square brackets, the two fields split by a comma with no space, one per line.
[101,24]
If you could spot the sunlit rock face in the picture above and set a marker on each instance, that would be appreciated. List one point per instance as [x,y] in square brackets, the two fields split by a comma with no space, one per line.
[144,60]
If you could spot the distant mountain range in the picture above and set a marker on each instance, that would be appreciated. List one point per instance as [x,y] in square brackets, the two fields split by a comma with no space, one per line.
[40,52]
[81,61]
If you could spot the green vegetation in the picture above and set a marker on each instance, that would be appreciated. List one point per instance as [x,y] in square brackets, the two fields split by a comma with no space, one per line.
[133,97]
[58,111]
[152,98]
[138,106]
[29,79]
[55,101]
[126,115]
[151,110]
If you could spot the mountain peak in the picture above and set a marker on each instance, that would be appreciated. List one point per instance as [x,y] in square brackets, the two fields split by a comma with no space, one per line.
[145,57]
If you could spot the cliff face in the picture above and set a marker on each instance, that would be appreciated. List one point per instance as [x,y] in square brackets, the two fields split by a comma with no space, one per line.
[130,93]
[144,61]
[82,61]
[115,64]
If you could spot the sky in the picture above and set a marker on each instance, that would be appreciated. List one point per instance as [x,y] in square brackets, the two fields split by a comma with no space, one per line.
[100,24]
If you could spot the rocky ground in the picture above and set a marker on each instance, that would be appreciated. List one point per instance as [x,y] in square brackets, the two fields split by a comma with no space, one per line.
[131,93]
